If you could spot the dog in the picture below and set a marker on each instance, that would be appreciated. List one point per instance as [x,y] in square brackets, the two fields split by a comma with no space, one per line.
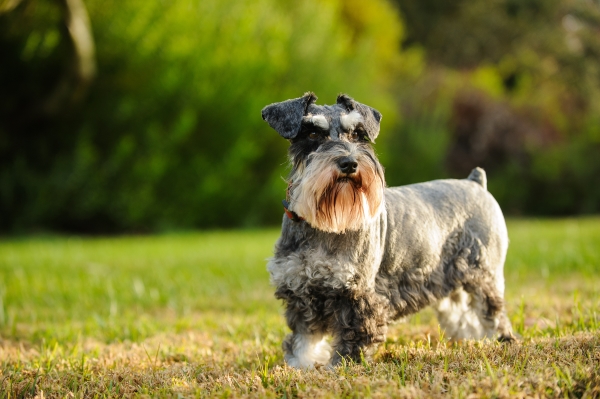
[354,255]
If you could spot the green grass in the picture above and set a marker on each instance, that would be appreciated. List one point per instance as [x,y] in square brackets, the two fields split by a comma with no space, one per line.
[115,289]
[194,315]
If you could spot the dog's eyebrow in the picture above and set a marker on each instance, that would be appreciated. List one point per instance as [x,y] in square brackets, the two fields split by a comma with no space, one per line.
[351,120]
[318,121]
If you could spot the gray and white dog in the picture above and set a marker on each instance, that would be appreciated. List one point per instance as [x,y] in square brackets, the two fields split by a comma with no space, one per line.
[354,255]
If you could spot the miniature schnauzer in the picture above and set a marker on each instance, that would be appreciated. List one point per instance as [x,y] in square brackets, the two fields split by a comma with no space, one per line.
[354,255]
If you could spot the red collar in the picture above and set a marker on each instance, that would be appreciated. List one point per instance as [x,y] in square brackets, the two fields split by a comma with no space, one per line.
[291,214]
[286,206]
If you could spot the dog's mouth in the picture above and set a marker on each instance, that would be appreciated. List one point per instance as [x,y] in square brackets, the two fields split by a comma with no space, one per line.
[354,180]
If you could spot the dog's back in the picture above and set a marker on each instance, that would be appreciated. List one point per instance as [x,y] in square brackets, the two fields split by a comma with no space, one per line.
[433,211]
[445,237]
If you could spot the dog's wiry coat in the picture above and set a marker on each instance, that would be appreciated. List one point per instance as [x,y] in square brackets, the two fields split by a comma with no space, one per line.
[365,254]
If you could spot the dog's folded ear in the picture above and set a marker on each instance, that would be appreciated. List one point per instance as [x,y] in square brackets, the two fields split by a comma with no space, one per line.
[371,116]
[286,116]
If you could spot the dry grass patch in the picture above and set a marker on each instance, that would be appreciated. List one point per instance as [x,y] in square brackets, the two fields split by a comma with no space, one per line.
[195,365]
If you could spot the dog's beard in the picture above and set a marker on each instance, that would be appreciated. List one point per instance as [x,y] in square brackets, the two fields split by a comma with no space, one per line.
[334,202]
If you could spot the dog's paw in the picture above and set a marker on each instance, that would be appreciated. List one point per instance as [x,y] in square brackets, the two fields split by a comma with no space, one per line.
[308,354]
[296,363]
[509,338]
[322,353]
[304,364]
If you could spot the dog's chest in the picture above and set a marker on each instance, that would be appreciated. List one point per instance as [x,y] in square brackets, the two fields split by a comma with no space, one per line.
[336,264]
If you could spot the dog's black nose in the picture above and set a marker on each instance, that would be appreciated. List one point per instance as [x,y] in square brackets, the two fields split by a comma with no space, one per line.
[347,165]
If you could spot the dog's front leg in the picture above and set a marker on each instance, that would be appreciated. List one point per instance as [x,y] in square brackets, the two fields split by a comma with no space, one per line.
[359,324]
[305,350]
[306,346]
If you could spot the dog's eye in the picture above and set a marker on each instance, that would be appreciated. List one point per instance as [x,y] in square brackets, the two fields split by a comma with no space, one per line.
[313,135]
[360,135]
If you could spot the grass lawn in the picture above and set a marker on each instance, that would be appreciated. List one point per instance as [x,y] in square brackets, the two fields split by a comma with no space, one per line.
[193,315]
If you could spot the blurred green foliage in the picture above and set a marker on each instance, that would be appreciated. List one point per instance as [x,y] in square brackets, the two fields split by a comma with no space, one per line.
[509,85]
[168,135]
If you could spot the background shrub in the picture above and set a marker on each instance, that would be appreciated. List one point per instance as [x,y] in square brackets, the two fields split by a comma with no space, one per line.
[163,128]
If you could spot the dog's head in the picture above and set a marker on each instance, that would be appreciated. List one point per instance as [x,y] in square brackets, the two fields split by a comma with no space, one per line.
[336,183]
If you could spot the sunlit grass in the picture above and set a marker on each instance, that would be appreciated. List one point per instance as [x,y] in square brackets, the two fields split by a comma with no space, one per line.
[130,287]
[193,314]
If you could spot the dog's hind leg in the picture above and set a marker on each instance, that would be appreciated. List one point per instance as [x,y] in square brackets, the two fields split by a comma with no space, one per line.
[488,303]
[472,312]
[457,317]
[475,306]
[486,288]
[505,328]
[503,325]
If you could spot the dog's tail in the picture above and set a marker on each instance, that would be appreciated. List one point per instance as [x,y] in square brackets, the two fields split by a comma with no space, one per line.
[478,176]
